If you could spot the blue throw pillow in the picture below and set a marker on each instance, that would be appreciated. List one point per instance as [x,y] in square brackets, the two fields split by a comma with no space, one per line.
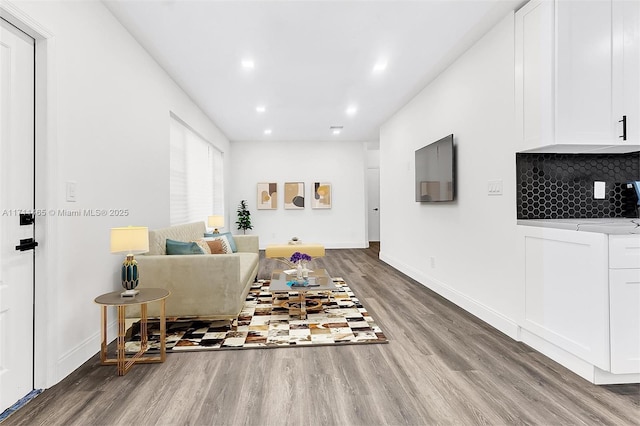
[179,247]
[229,236]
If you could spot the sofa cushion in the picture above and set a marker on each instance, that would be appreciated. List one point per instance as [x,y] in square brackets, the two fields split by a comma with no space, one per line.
[179,247]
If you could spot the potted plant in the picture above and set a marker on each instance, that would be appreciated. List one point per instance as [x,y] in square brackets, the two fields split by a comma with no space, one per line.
[244,217]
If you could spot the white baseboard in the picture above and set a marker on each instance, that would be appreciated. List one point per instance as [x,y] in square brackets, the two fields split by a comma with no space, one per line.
[74,358]
[606,378]
[485,313]
[582,368]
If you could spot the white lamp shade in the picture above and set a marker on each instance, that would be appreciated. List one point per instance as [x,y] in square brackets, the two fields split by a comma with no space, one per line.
[130,240]
[216,221]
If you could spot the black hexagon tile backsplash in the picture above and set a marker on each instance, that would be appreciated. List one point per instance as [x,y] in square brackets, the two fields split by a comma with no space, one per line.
[560,186]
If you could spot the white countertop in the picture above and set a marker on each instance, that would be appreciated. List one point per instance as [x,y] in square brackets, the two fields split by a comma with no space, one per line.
[612,226]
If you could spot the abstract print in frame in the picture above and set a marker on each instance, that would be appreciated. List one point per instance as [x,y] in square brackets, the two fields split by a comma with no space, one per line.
[321,198]
[294,195]
[267,196]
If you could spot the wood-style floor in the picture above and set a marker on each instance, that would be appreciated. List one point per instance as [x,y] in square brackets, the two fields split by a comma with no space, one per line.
[442,366]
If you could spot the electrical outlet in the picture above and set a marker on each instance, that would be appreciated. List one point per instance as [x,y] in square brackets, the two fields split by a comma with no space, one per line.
[494,187]
[598,190]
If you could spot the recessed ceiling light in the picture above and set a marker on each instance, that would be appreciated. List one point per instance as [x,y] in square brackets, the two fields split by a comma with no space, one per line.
[261,108]
[267,131]
[380,66]
[352,110]
[248,64]
[335,129]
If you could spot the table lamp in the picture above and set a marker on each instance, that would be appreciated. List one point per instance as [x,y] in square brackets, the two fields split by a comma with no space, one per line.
[216,221]
[130,240]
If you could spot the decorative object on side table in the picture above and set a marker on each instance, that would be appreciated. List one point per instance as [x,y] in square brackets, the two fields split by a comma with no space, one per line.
[244,217]
[294,240]
[216,221]
[130,240]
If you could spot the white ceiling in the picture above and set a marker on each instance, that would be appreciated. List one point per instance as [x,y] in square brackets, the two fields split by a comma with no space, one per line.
[312,59]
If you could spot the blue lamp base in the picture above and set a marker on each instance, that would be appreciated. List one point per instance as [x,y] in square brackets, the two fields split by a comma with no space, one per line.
[129,276]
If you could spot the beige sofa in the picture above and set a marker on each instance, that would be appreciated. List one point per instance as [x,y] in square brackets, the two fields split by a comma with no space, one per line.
[211,285]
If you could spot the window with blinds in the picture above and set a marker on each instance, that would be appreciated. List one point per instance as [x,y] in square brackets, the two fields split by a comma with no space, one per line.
[196,183]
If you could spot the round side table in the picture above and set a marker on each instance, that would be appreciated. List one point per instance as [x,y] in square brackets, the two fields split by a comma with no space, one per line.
[145,296]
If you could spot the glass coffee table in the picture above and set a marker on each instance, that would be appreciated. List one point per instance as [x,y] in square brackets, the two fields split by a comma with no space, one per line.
[319,281]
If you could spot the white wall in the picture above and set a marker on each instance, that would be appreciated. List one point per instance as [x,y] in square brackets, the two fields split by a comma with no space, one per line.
[472,241]
[109,103]
[340,163]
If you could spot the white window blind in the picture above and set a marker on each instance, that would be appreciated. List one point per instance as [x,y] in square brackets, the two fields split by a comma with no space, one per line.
[196,176]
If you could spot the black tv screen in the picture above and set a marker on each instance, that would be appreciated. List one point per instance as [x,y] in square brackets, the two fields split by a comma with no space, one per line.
[435,171]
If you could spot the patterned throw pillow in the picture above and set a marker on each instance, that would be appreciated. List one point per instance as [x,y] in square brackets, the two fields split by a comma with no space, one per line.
[203,245]
[229,235]
[226,247]
[216,247]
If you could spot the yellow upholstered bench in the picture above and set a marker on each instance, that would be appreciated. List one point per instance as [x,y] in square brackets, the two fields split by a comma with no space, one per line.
[286,250]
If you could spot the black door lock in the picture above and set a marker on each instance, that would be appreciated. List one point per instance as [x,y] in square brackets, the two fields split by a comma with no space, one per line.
[27,244]
[27,219]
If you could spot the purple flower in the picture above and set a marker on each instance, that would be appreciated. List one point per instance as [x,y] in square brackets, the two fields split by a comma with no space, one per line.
[297,257]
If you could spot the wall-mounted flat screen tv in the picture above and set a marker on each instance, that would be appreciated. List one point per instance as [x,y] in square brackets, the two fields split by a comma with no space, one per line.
[435,171]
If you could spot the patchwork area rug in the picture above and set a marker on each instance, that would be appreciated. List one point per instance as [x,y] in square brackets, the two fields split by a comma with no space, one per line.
[269,321]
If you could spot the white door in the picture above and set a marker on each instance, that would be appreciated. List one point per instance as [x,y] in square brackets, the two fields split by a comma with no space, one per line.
[373,207]
[16,197]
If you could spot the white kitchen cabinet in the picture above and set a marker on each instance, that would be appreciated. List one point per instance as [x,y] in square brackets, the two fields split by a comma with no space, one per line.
[534,73]
[626,67]
[582,300]
[625,320]
[566,291]
[577,74]
[624,302]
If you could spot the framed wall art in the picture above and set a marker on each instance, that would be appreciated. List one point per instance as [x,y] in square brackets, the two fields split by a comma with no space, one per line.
[294,195]
[321,197]
[267,196]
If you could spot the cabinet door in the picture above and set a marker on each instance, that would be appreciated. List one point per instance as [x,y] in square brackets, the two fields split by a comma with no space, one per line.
[567,292]
[534,74]
[626,69]
[624,302]
[584,76]
[624,251]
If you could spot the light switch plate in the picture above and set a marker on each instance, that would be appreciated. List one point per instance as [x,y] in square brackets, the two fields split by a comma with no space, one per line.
[494,187]
[598,190]
[71,191]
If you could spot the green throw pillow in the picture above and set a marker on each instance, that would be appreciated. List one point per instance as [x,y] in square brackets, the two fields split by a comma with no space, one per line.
[179,247]
[229,236]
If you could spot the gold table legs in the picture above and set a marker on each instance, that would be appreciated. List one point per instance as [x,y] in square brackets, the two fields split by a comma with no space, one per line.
[123,362]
